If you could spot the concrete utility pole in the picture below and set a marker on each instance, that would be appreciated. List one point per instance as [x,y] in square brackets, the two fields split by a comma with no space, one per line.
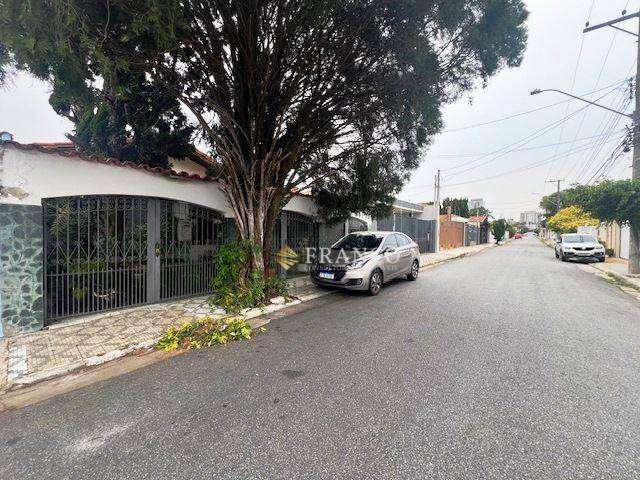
[558,203]
[634,243]
[436,202]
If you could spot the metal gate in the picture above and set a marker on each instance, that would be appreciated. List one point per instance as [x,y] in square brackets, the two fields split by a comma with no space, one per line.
[190,235]
[108,252]
[471,235]
[420,231]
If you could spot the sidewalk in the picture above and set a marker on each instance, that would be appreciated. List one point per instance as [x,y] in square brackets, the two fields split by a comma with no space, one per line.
[618,268]
[96,339]
[428,260]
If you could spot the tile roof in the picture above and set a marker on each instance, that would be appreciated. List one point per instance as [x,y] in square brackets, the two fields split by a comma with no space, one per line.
[478,219]
[67,149]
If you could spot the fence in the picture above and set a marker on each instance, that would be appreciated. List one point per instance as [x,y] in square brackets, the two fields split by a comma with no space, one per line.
[471,235]
[420,231]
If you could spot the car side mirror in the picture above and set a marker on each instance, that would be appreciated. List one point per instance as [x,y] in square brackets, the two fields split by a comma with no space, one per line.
[388,250]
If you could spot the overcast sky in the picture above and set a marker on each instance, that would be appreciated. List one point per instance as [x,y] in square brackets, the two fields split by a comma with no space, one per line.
[556,43]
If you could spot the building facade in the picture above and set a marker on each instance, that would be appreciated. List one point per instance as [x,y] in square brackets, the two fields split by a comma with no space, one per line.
[84,234]
[531,219]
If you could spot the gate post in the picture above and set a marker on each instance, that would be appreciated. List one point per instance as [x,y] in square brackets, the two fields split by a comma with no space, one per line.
[153,241]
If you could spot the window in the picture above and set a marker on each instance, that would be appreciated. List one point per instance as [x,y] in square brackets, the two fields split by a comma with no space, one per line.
[358,241]
[390,242]
[402,240]
[579,239]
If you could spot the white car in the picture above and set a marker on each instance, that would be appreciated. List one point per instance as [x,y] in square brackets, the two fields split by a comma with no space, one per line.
[577,245]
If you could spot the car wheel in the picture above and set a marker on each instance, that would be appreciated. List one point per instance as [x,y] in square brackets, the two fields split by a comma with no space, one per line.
[413,274]
[375,282]
[557,256]
[562,257]
[602,260]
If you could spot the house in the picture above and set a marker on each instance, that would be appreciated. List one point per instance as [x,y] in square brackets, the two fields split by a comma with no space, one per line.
[479,227]
[81,234]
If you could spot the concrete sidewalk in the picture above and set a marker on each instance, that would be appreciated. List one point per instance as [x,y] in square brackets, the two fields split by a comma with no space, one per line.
[618,268]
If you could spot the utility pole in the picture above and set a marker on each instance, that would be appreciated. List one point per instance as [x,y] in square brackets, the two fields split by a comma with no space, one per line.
[558,203]
[436,202]
[634,242]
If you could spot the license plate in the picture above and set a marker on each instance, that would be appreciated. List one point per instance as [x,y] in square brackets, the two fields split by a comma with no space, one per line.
[583,254]
[327,275]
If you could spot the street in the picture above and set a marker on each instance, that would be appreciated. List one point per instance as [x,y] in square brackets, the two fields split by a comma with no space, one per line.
[504,364]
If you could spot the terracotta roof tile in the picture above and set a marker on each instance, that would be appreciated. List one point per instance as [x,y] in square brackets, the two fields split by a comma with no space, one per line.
[67,149]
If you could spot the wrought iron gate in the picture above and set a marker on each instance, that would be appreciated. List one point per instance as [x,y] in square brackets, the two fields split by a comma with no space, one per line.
[107,252]
[95,254]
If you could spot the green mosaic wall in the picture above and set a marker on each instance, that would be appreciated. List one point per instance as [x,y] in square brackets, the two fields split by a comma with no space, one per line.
[20,269]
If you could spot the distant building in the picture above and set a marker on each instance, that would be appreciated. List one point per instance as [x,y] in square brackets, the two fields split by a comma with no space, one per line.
[531,219]
[476,203]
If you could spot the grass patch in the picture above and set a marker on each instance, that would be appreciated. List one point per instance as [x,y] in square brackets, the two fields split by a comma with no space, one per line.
[619,281]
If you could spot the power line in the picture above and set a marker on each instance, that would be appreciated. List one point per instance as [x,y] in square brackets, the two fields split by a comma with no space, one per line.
[506,150]
[573,83]
[497,120]
[525,167]
[608,128]
[537,147]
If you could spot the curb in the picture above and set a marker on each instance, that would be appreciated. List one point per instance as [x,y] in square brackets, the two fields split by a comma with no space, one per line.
[463,254]
[254,317]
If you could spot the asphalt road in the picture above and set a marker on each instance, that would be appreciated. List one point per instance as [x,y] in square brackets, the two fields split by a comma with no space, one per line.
[507,364]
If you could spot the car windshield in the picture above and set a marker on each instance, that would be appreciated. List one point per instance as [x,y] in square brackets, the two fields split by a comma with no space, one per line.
[579,239]
[358,241]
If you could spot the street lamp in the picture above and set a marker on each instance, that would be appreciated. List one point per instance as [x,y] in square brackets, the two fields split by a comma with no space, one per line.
[537,91]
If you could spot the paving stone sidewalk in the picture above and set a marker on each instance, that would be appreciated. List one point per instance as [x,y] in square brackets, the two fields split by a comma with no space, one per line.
[94,339]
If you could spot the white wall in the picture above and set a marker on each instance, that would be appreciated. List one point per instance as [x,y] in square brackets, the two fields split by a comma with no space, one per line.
[28,176]
[429,212]
[625,234]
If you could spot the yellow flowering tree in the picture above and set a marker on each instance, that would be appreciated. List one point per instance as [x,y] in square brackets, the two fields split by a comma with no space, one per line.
[569,219]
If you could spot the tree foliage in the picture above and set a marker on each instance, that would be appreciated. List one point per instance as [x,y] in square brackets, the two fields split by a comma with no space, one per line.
[498,229]
[480,212]
[610,201]
[459,206]
[80,47]
[569,219]
[288,94]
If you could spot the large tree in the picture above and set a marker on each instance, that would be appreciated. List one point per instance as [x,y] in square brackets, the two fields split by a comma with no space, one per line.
[459,206]
[287,93]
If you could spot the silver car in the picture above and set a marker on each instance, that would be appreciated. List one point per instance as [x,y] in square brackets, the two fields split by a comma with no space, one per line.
[366,260]
[579,246]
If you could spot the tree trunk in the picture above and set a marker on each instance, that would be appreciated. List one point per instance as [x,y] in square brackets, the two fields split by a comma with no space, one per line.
[256,223]
[634,249]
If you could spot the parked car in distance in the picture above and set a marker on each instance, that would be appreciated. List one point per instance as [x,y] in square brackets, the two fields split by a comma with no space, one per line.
[517,236]
[366,260]
[580,246]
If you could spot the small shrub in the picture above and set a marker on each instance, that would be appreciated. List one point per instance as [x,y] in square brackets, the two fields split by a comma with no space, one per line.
[610,252]
[276,287]
[235,285]
[204,333]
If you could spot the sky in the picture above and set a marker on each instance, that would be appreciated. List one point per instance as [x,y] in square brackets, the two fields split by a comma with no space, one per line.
[506,162]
